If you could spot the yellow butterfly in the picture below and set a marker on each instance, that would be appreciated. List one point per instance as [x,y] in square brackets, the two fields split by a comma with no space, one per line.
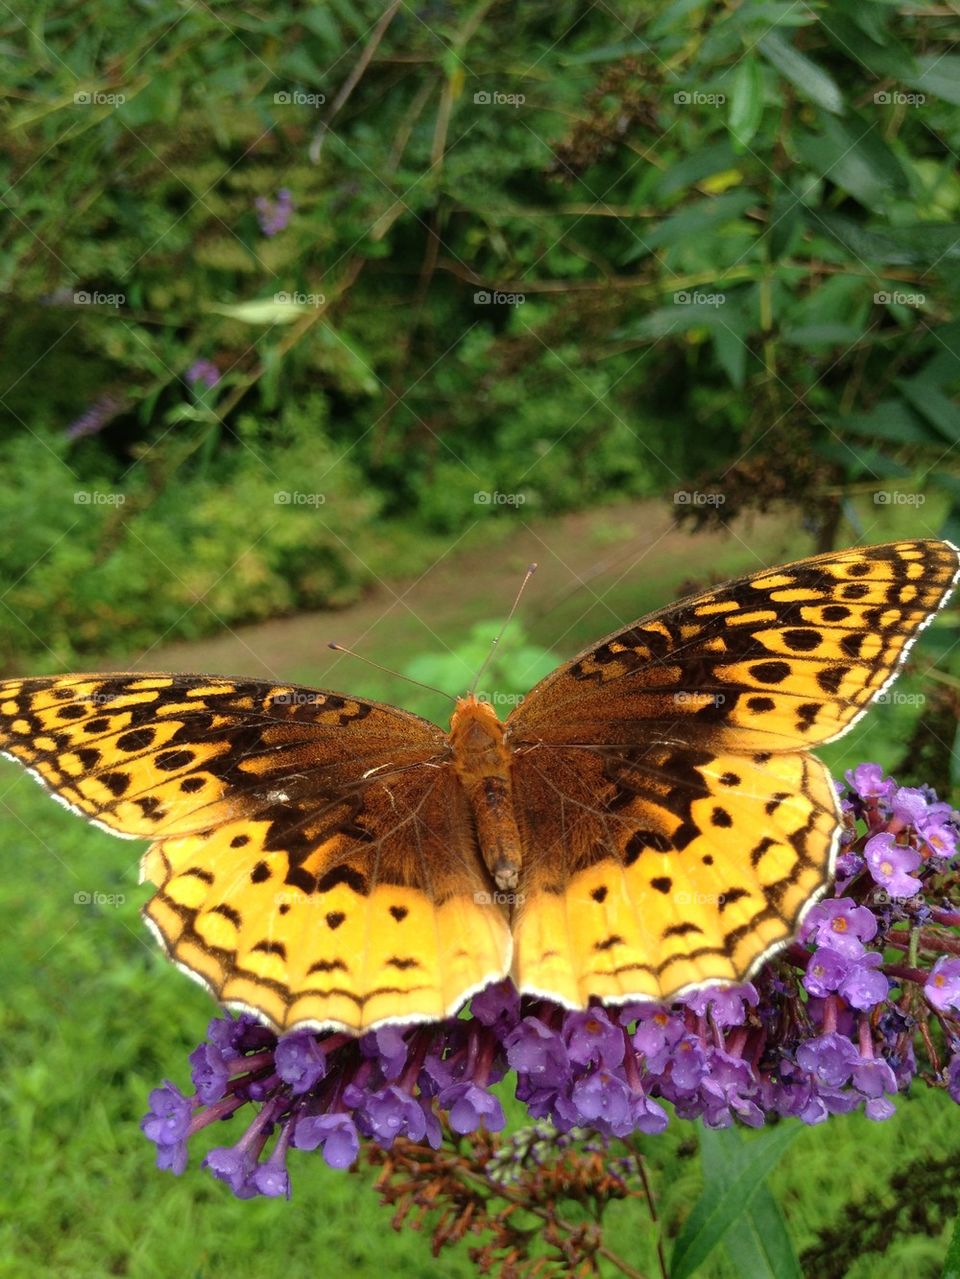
[647,821]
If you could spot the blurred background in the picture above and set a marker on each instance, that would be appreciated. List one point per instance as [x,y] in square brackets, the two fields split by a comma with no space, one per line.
[321,321]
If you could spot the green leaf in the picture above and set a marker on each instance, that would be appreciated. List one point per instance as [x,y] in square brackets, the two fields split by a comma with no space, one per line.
[857,36]
[267,311]
[938,409]
[889,420]
[923,244]
[746,103]
[679,318]
[731,351]
[706,213]
[860,460]
[812,81]
[939,74]
[727,1195]
[710,159]
[821,335]
[854,156]
[786,220]
[758,1242]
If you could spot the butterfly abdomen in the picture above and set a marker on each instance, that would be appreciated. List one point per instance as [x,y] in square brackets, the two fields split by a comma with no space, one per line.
[482,762]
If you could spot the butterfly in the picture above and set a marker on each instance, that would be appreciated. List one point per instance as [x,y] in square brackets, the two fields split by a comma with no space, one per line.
[646,822]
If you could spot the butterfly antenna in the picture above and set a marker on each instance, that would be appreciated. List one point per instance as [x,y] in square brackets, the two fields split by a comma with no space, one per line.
[531,569]
[339,648]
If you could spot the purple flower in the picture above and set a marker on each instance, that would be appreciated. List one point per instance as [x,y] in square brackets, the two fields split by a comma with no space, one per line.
[498,1004]
[728,1088]
[209,1072]
[940,839]
[943,984]
[204,372]
[724,1003]
[300,1061]
[909,805]
[829,1058]
[472,1107]
[337,1134]
[953,1077]
[273,215]
[390,1112]
[167,1124]
[826,970]
[838,922]
[534,1049]
[862,986]
[873,1077]
[235,1165]
[890,863]
[868,781]
[603,1101]
[93,419]
[592,1037]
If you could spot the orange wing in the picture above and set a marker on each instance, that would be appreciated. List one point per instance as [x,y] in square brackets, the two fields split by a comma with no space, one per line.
[315,859]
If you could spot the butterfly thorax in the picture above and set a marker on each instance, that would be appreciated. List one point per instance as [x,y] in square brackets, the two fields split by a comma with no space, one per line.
[481,759]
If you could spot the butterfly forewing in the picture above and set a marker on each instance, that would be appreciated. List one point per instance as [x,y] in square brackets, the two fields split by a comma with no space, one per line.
[674,829]
[314,859]
[784,659]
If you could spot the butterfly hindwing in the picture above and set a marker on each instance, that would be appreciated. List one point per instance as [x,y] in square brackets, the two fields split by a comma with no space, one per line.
[314,859]
[649,870]
[379,917]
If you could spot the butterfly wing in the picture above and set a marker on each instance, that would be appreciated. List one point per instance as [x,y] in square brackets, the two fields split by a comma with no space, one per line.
[674,828]
[314,856]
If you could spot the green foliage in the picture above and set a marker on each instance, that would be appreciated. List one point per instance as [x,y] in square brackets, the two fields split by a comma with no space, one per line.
[742,221]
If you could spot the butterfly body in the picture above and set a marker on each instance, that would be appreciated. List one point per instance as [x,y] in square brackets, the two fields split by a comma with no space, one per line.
[484,766]
[649,820]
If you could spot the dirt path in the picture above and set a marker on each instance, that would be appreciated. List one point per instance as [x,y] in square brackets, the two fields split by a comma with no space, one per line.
[598,570]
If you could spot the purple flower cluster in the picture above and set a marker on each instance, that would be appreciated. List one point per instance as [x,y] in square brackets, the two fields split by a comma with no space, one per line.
[203,373]
[833,1024]
[93,419]
[273,215]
